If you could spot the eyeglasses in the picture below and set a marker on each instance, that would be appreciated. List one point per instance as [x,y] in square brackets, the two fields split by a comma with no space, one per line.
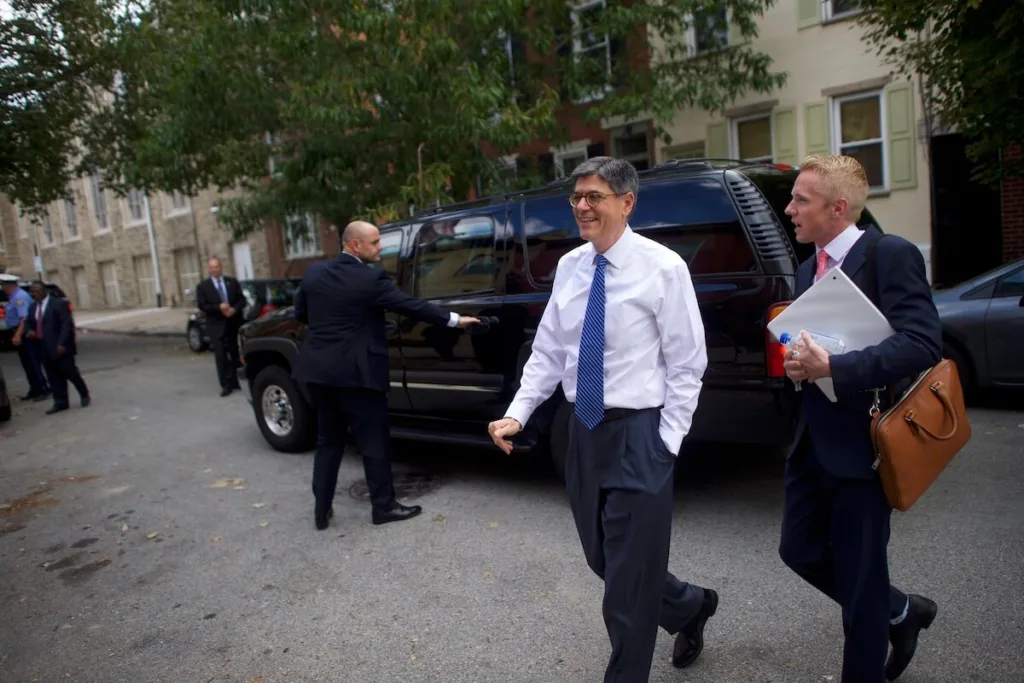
[593,198]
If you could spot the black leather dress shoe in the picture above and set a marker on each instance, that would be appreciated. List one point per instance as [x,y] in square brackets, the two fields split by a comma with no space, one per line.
[690,641]
[323,519]
[56,409]
[903,636]
[86,400]
[226,391]
[396,514]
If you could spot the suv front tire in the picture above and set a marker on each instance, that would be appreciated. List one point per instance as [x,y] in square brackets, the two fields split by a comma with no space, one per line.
[284,417]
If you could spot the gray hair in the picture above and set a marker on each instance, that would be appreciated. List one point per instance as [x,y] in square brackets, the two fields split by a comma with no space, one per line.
[619,174]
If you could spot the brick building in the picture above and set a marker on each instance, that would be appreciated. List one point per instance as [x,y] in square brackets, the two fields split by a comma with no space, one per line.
[1012,205]
[97,246]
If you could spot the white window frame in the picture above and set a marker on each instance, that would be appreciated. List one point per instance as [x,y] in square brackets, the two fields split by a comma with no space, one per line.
[837,133]
[576,149]
[69,216]
[94,196]
[828,12]
[691,35]
[84,299]
[107,284]
[578,49]
[129,220]
[46,228]
[170,208]
[734,136]
[305,246]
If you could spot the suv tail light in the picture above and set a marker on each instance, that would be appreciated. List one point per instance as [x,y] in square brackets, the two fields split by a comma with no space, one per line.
[267,308]
[774,352]
[71,307]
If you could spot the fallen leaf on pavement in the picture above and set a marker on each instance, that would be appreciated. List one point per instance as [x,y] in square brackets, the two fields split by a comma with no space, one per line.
[239,488]
[153,534]
[264,523]
[258,505]
[440,518]
[217,539]
[124,528]
[224,483]
[493,525]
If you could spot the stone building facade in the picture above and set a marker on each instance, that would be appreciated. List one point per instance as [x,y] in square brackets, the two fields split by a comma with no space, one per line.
[97,247]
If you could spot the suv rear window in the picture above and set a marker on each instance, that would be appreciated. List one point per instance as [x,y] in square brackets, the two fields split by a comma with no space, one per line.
[695,217]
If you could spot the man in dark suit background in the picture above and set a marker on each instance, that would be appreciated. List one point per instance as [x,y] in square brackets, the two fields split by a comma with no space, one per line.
[221,298]
[344,360]
[50,324]
[835,528]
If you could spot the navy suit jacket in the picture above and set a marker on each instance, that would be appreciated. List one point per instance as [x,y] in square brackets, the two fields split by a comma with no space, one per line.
[342,302]
[841,432]
[58,326]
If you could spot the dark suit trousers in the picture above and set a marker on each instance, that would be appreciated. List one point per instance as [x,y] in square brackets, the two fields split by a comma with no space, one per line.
[366,411]
[29,355]
[620,483]
[225,354]
[835,534]
[61,370]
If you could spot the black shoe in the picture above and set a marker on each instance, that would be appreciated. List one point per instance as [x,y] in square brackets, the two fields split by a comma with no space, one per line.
[41,397]
[690,641]
[323,520]
[225,392]
[398,513]
[86,400]
[903,636]
[31,396]
[56,409]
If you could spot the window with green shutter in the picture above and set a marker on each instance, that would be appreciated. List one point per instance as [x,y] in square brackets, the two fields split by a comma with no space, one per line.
[858,132]
[808,13]
[901,125]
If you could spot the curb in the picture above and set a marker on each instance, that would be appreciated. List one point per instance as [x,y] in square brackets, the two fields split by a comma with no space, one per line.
[131,333]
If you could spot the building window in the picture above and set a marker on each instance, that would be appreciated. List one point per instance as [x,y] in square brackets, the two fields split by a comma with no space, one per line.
[588,43]
[752,138]
[108,273]
[146,279]
[839,9]
[70,218]
[81,280]
[177,203]
[630,144]
[709,30]
[136,206]
[858,130]
[99,203]
[566,162]
[686,150]
[47,228]
[3,246]
[301,237]
[186,262]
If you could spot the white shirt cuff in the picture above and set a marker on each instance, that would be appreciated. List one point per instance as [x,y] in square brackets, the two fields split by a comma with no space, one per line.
[672,440]
[519,412]
[453,319]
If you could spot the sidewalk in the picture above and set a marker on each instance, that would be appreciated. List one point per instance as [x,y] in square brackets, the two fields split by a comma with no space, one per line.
[154,322]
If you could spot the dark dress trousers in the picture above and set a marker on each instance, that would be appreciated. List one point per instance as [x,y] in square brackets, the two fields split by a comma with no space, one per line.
[835,528]
[344,361]
[58,330]
[223,330]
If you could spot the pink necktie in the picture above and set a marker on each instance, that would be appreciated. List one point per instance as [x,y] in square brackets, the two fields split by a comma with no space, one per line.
[822,265]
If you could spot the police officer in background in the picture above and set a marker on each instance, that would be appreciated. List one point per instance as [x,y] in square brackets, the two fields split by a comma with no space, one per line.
[18,305]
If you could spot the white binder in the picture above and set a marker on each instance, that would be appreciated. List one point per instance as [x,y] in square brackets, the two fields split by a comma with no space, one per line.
[836,307]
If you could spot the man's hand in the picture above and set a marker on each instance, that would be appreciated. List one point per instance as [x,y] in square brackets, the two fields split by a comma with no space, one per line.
[16,340]
[809,361]
[465,322]
[61,350]
[499,429]
[224,308]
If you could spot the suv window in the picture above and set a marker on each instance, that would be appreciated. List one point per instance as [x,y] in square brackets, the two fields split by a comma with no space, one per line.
[455,257]
[390,248]
[1011,285]
[694,217]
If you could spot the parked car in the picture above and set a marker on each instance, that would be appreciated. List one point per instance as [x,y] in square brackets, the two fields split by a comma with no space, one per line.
[983,328]
[7,334]
[495,259]
[262,297]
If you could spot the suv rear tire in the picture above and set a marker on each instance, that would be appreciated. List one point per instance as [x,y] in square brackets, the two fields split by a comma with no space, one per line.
[284,417]
[194,337]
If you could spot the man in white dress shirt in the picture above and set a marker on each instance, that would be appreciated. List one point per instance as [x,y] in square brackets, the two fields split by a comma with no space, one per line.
[623,334]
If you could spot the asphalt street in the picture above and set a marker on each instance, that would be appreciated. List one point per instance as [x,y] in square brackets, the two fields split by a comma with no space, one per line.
[155,537]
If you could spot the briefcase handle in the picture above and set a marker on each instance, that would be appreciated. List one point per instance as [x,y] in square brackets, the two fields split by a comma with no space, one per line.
[939,390]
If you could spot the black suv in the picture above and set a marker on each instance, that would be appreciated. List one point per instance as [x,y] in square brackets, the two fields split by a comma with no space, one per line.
[495,259]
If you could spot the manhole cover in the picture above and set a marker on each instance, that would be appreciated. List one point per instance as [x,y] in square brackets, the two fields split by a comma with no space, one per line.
[408,485]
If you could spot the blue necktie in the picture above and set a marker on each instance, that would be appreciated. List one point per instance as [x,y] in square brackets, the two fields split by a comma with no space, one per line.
[590,370]
[220,288]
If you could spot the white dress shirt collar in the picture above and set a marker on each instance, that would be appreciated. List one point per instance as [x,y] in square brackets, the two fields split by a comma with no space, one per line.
[841,244]
[618,253]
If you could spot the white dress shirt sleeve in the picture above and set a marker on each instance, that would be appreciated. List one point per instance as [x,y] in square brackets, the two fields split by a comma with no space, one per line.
[453,319]
[685,351]
[546,365]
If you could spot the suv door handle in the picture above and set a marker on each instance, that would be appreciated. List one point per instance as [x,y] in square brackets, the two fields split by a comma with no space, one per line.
[487,324]
[390,326]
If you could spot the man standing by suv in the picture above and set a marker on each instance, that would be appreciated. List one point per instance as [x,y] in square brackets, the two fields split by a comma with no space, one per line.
[344,361]
[18,303]
[623,334]
[221,298]
[835,527]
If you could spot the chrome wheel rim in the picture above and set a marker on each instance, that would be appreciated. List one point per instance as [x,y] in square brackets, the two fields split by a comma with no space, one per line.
[277,410]
[193,338]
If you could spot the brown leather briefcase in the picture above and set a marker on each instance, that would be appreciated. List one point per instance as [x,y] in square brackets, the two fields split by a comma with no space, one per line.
[920,434]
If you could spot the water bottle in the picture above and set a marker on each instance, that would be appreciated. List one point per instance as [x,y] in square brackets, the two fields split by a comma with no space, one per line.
[831,345]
